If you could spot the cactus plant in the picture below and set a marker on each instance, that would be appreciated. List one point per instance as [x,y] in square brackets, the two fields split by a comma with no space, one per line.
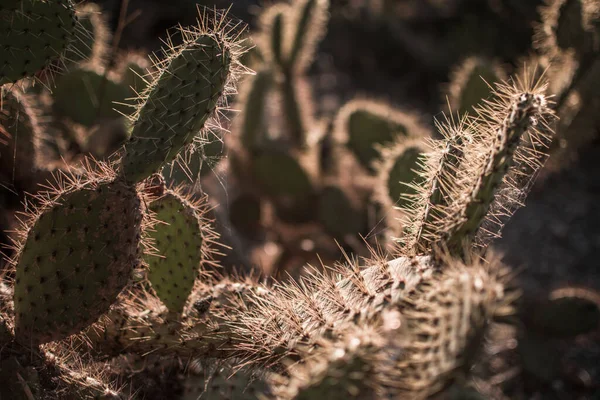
[407,324]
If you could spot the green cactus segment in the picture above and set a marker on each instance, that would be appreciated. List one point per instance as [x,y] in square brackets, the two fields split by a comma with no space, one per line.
[476,85]
[281,175]
[20,129]
[86,96]
[295,111]
[252,120]
[310,20]
[178,243]
[77,258]
[499,153]
[440,174]
[337,214]
[404,171]
[364,125]
[245,213]
[566,313]
[276,36]
[34,34]
[179,103]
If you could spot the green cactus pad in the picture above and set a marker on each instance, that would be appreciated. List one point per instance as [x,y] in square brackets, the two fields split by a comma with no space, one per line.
[566,313]
[281,175]
[77,257]
[310,19]
[337,214]
[403,171]
[178,241]
[472,82]
[245,213]
[85,96]
[177,105]
[34,34]
[252,120]
[20,130]
[364,125]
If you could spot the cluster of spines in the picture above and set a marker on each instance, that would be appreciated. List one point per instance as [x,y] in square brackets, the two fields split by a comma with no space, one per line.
[506,139]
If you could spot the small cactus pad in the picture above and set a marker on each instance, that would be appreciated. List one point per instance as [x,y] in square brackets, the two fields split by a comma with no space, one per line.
[337,213]
[179,250]
[77,257]
[177,105]
[473,82]
[281,174]
[86,96]
[252,120]
[567,312]
[363,125]
[402,172]
[34,34]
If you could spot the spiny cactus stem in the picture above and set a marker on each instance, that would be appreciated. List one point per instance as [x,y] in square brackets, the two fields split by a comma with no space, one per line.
[438,192]
[293,113]
[499,160]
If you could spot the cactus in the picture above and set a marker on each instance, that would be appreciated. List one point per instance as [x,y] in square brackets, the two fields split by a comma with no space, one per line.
[181,244]
[471,82]
[192,78]
[406,324]
[361,125]
[97,96]
[71,266]
[37,33]
[516,115]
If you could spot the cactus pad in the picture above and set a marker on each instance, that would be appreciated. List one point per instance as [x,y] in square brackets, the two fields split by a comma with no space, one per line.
[337,213]
[177,104]
[34,34]
[86,96]
[179,246]
[77,257]
[363,125]
[281,174]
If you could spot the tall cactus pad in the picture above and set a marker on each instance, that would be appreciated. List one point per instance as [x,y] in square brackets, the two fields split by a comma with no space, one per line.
[309,22]
[77,257]
[179,249]
[34,33]
[178,103]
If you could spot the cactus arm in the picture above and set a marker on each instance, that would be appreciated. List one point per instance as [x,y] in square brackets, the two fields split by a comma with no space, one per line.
[178,104]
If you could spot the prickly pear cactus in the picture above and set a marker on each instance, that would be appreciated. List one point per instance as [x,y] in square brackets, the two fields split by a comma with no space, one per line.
[179,246]
[77,257]
[34,34]
[178,104]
